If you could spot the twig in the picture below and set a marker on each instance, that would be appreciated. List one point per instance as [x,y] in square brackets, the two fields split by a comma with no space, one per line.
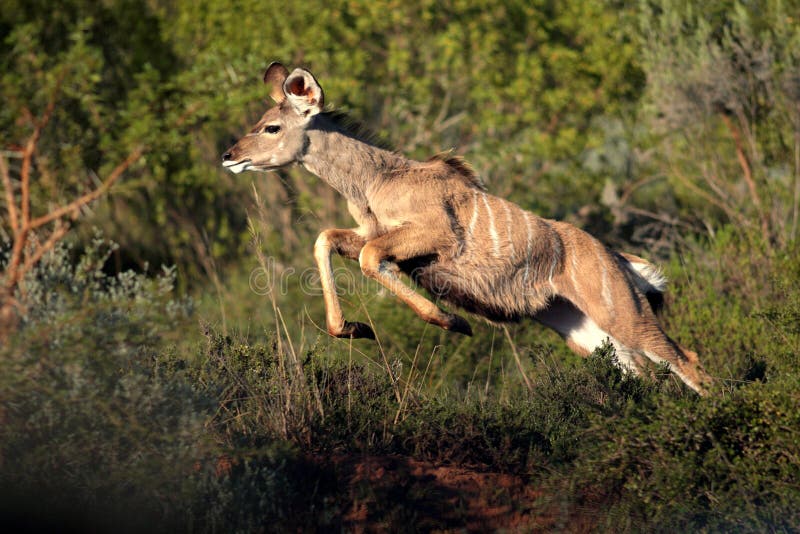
[30,149]
[10,203]
[92,195]
[629,190]
[25,173]
[12,269]
[659,217]
[388,367]
[59,232]
[747,172]
[721,205]
[409,379]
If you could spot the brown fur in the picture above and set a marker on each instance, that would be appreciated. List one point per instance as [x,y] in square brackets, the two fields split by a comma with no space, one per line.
[460,165]
[435,222]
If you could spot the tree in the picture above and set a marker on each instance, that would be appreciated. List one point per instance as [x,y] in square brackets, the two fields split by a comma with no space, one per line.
[26,226]
[723,88]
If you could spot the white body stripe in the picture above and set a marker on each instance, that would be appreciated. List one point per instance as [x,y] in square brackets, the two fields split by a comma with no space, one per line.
[474,218]
[529,247]
[606,290]
[509,230]
[574,262]
[492,228]
[556,257]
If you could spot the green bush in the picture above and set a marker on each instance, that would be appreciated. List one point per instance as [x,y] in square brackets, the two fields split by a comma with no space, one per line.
[110,419]
[86,413]
[118,413]
[105,426]
[723,464]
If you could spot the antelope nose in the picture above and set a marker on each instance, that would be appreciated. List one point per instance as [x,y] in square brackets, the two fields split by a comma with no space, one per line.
[226,156]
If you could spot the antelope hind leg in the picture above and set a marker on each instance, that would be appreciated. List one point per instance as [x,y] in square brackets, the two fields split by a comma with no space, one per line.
[402,244]
[346,243]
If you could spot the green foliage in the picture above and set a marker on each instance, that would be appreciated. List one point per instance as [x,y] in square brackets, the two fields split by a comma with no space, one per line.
[681,119]
[103,414]
[722,88]
[106,426]
[331,405]
[726,464]
[85,413]
[736,307]
[182,78]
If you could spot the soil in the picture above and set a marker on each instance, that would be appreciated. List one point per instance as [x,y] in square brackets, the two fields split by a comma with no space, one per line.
[391,493]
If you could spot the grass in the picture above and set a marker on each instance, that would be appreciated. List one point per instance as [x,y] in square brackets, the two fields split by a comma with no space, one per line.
[119,412]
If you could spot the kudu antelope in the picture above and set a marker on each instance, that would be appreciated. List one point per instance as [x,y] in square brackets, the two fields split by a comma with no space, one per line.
[434,221]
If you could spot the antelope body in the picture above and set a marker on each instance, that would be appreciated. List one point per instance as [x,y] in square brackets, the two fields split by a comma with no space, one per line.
[435,222]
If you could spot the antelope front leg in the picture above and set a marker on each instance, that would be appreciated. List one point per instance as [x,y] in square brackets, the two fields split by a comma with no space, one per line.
[378,261]
[347,243]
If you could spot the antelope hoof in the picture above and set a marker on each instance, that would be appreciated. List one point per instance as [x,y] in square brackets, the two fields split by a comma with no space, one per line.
[459,325]
[354,330]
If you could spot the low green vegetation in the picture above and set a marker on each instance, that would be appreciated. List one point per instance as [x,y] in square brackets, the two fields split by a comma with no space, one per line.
[111,420]
[207,397]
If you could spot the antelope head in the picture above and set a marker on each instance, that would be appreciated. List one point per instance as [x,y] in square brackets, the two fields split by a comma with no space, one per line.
[280,137]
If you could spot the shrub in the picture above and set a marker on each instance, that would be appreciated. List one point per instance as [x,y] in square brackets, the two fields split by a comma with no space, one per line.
[105,426]
[87,418]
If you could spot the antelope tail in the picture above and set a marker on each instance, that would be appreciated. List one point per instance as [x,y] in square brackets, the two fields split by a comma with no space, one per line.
[648,278]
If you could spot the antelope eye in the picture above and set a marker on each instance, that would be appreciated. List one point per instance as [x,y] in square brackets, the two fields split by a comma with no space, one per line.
[272,129]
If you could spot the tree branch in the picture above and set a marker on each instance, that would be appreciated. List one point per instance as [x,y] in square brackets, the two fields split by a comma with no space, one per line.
[744,163]
[30,149]
[730,212]
[92,195]
[12,269]
[24,177]
[59,232]
[11,205]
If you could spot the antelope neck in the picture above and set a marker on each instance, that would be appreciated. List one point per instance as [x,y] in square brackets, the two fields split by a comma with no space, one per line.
[349,165]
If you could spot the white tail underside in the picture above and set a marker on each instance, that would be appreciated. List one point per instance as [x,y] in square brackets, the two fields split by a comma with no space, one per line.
[649,278]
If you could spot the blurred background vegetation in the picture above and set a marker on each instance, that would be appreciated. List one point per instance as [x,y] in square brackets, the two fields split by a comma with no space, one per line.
[665,127]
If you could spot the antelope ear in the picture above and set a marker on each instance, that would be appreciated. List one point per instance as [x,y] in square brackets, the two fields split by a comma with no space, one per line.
[304,93]
[274,77]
